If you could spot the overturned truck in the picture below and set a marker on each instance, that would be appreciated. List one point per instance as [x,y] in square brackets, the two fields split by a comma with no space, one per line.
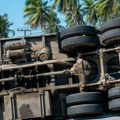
[71,74]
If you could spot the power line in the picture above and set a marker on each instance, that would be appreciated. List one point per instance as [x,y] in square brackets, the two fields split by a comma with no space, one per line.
[24,30]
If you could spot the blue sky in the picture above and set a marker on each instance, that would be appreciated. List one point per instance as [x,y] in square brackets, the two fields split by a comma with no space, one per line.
[14,9]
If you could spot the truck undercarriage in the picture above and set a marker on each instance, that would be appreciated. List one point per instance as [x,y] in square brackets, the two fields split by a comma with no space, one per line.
[75,73]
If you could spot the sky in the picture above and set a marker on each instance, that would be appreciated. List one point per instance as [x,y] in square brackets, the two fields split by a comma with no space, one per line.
[14,9]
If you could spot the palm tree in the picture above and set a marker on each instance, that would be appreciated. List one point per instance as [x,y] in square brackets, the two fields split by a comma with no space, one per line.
[37,13]
[108,9]
[4,26]
[90,12]
[61,5]
[74,15]
[71,10]
[54,26]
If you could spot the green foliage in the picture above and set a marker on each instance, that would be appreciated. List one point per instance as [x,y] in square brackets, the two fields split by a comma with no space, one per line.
[108,9]
[74,17]
[52,27]
[4,26]
[90,12]
[37,13]
[71,9]
[61,5]
[40,15]
[76,12]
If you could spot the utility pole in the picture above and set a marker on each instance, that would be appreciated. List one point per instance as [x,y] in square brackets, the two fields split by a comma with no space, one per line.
[24,30]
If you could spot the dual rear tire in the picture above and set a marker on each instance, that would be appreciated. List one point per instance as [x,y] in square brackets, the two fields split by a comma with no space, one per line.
[84,104]
[79,37]
[84,37]
[114,96]
[91,103]
[110,32]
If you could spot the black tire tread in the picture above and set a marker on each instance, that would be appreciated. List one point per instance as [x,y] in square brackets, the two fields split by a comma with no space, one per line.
[76,31]
[114,105]
[110,36]
[81,98]
[85,109]
[114,93]
[79,41]
[110,24]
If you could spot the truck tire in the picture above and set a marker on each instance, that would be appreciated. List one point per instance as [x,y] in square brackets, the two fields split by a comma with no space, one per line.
[110,36]
[81,98]
[114,105]
[77,31]
[114,93]
[72,43]
[86,109]
[110,24]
